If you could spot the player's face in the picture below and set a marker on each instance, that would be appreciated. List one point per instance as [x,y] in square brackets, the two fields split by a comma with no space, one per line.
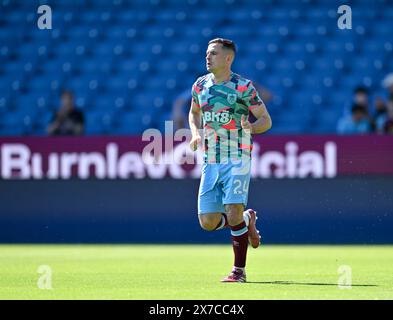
[217,58]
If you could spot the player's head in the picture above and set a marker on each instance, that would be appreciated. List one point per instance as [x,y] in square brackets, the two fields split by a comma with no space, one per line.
[220,54]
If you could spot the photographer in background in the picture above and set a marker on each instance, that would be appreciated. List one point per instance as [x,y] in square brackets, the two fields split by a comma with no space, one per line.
[68,120]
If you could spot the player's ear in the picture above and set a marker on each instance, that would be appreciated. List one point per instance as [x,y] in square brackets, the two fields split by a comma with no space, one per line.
[230,57]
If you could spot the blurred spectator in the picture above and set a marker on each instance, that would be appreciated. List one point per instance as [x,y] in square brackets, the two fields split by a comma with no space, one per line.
[182,105]
[68,120]
[356,123]
[379,116]
[388,83]
[361,97]
[388,128]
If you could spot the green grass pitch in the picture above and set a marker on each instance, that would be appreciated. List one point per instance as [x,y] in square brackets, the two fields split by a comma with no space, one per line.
[194,272]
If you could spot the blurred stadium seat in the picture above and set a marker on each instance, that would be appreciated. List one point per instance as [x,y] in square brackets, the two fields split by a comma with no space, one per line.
[127,60]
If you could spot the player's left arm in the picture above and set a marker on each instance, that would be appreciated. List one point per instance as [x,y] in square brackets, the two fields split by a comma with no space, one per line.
[263,122]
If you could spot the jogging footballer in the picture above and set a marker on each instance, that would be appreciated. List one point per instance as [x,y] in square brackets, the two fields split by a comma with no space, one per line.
[221,103]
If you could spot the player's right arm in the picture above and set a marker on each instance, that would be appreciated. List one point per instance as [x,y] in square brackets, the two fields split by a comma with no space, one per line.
[194,119]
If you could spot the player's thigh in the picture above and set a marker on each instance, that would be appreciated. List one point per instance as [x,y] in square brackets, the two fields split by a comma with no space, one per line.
[210,204]
[236,182]
[210,193]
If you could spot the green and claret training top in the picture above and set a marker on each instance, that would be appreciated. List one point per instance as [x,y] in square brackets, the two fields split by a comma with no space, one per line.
[222,106]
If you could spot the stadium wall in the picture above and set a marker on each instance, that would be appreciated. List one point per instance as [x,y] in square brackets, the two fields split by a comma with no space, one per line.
[341,210]
[307,189]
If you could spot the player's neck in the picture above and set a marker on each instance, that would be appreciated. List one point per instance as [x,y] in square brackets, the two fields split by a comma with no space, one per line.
[222,76]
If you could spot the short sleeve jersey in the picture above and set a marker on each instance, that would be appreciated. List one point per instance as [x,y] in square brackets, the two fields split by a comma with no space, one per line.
[222,106]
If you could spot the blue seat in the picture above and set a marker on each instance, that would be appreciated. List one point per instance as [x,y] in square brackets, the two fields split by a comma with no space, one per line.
[130,123]
[6,104]
[33,104]
[387,13]
[133,58]
[99,122]
[285,128]
[118,85]
[18,123]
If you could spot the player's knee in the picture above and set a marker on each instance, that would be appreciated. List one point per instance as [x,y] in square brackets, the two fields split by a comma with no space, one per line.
[207,224]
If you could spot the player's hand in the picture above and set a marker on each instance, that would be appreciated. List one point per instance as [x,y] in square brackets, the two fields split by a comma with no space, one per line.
[195,142]
[246,125]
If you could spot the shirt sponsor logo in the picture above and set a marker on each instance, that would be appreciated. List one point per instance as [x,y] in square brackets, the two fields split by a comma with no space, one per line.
[223,117]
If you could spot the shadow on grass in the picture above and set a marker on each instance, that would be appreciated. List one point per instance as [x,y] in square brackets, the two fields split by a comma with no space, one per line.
[310,283]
